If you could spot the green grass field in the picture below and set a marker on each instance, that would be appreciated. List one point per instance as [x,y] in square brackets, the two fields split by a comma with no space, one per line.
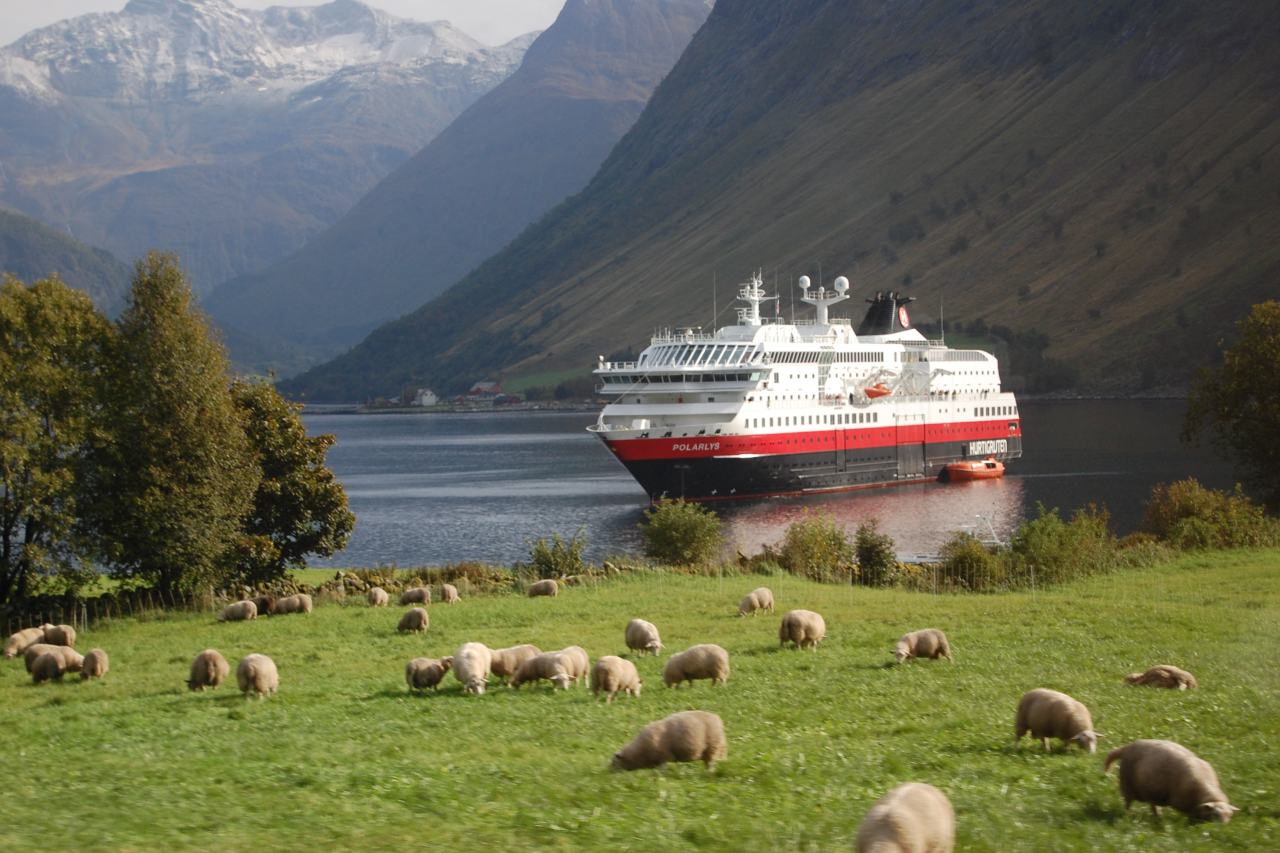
[344,757]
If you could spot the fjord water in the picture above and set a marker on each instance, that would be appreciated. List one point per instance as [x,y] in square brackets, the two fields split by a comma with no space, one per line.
[437,488]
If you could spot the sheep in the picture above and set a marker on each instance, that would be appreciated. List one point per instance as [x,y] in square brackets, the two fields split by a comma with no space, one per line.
[34,651]
[612,674]
[504,662]
[449,594]
[421,673]
[19,641]
[1048,713]
[926,643]
[1164,675]
[72,660]
[414,621]
[48,667]
[209,669]
[266,604]
[300,603]
[912,818]
[378,597]
[95,664]
[1164,773]
[802,627]
[760,598]
[544,587]
[577,663]
[643,637]
[683,736]
[239,611]
[416,595]
[60,635]
[549,665]
[471,667]
[703,661]
[257,674]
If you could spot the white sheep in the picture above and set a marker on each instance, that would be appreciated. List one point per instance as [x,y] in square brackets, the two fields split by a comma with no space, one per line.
[414,621]
[423,673]
[802,627]
[928,643]
[612,674]
[416,595]
[642,636]
[239,612]
[378,597]
[760,598]
[1164,675]
[299,603]
[48,667]
[257,674]
[95,664]
[33,651]
[683,736]
[544,587]
[449,594]
[1048,714]
[20,640]
[702,661]
[912,818]
[72,661]
[209,669]
[266,604]
[1164,773]
[504,663]
[60,635]
[577,663]
[551,666]
[471,667]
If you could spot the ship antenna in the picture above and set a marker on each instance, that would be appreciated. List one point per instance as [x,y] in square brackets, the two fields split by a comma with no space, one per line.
[713,300]
[942,314]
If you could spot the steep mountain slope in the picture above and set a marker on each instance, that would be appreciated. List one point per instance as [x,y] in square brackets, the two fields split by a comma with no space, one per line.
[532,141]
[30,251]
[1105,175]
[227,135]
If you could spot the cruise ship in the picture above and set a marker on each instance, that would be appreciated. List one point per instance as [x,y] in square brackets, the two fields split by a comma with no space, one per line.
[766,407]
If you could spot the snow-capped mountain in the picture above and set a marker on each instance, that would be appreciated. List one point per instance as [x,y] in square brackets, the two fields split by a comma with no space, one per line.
[228,135]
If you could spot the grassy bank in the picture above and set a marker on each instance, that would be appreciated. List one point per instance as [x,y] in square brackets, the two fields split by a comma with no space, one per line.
[345,757]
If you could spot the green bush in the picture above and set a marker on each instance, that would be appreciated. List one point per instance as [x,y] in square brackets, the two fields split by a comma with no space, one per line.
[967,564]
[1190,517]
[817,548]
[681,533]
[557,557]
[877,560]
[1047,550]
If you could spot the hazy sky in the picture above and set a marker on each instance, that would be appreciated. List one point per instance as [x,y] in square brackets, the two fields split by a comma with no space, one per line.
[490,21]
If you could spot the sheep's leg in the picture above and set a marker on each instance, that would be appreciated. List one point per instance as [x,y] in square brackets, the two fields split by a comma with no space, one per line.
[1155,810]
[1045,741]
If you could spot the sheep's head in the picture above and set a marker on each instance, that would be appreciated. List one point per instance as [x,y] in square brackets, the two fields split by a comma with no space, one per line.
[655,647]
[1133,677]
[1088,740]
[561,680]
[1218,811]
[446,663]
[901,653]
[617,762]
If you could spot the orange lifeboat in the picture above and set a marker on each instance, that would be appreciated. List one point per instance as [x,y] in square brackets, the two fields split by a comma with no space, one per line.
[975,469]
[878,390]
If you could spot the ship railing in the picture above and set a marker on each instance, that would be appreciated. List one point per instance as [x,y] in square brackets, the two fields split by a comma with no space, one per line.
[617,365]
[677,336]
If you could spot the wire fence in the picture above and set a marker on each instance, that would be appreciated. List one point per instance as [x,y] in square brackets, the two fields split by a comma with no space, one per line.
[80,613]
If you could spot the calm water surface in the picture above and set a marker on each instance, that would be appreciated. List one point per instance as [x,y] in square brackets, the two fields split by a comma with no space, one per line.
[437,488]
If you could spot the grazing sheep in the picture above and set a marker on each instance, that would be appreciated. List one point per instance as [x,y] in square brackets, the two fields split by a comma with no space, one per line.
[266,604]
[257,674]
[683,736]
[60,635]
[414,621]
[209,669]
[421,673]
[549,665]
[471,667]
[802,627]
[1164,675]
[912,818]
[505,662]
[416,595]
[19,641]
[48,667]
[643,637]
[703,661]
[612,674]
[72,660]
[239,611]
[927,643]
[34,651]
[95,664]
[544,587]
[449,594]
[577,663]
[1048,713]
[1164,773]
[760,598]
[378,597]
[300,603]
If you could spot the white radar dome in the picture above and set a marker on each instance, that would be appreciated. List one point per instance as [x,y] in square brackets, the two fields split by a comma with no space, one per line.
[842,284]
[804,282]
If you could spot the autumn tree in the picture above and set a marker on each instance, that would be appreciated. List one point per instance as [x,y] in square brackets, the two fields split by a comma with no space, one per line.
[52,348]
[1238,401]
[299,507]
[173,474]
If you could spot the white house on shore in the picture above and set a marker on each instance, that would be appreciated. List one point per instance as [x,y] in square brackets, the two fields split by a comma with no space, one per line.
[425,397]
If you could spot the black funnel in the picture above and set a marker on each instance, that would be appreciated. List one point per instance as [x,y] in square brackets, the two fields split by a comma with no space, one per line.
[887,314]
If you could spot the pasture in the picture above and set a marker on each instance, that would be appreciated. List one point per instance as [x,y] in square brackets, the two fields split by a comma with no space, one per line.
[345,757]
